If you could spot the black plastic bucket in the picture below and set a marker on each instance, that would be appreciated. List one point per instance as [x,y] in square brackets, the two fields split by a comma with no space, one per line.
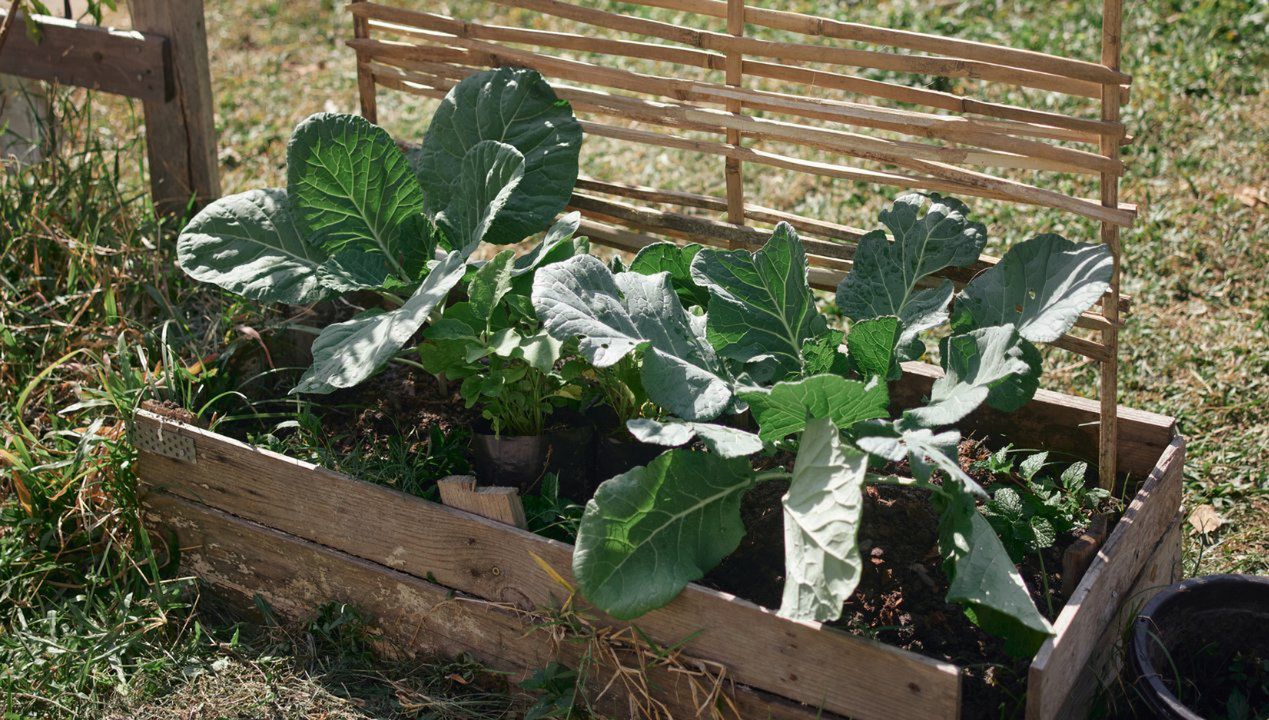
[615,455]
[1186,638]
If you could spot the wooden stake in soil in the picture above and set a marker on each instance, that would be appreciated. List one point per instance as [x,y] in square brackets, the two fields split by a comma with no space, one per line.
[1112,23]
[733,171]
[496,503]
[365,81]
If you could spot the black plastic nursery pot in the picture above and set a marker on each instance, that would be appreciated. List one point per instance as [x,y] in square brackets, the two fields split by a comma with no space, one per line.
[520,461]
[1198,642]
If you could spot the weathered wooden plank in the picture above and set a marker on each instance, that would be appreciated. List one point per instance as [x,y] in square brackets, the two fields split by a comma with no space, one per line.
[1163,569]
[123,62]
[180,134]
[242,559]
[496,503]
[1057,669]
[801,661]
[1055,421]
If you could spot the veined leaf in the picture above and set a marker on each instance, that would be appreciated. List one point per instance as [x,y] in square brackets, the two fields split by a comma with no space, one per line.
[346,353]
[824,354]
[725,441]
[677,261]
[885,276]
[487,179]
[353,269]
[985,580]
[513,106]
[614,315]
[784,410]
[490,285]
[555,246]
[649,532]
[1040,287]
[249,244]
[822,512]
[991,362]
[924,450]
[352,188]
[873,347]
[761,305]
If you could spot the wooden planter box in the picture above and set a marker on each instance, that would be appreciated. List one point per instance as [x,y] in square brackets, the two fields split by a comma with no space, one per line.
[436,580]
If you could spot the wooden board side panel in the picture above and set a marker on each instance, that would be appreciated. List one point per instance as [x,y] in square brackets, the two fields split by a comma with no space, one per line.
[242,559]
[802,661]
[1098,600]
[1163,569]
[115,61]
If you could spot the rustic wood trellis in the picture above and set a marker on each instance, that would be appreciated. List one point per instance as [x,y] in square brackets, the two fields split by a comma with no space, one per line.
[426,53]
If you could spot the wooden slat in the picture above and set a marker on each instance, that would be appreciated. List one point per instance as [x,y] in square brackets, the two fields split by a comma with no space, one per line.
[365,80]
[732,168]
[1112,21]
[920,64]
[470,35]
[242,559]
[865,679]
[122,62]
[500,504]
[952,47]
[1097,600]
[995,150]
[965,181]
[1014,120]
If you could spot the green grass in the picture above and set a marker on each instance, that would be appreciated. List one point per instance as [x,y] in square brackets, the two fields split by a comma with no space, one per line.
[93,317]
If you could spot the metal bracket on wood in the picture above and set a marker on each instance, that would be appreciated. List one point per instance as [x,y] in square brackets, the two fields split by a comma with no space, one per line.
[160,439]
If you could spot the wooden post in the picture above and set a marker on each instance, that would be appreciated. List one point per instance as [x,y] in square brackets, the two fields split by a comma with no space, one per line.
[365,80]
[732,171]
[180,133]
[1112,23]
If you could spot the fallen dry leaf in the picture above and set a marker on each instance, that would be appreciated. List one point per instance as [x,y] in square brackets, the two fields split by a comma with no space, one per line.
[1205,519]
[1252,196]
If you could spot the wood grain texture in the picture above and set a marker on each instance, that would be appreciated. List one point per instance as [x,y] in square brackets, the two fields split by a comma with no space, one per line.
[420,619]
[1058,668]
[180,134]
[1103,669]
[805,662]
[122,62]
[500,504]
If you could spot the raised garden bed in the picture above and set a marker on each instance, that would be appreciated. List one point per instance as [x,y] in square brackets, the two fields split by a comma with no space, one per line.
[440,580]
[810,470]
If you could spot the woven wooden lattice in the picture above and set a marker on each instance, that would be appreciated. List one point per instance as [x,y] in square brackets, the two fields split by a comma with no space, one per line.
[936,141]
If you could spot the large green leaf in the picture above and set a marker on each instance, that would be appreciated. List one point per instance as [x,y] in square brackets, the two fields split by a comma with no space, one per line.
[873,347]
[676,260]
[649,532]
[350,187]
[490,285]
[614,315]
[785,409]
[886,274]
[487,179]
[822,511]
[513,106]
[346,353]
[726,441]
[248,244]
[990,362]
[761,306]
[985,580]
[557,244]
[1040,286]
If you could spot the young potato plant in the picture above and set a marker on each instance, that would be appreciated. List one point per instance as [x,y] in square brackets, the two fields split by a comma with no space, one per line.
[719,332]
[497,164]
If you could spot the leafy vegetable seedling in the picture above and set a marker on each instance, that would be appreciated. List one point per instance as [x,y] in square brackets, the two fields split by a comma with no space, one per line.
[721,332]
[497,164]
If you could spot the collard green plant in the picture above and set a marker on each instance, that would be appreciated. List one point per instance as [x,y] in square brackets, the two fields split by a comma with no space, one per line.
[497,164]
[759,343]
